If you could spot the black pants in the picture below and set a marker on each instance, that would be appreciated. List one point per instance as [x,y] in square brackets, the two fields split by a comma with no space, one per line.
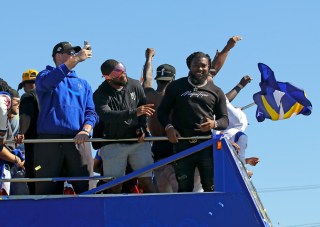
[29,165]
[61,160]
[184,168]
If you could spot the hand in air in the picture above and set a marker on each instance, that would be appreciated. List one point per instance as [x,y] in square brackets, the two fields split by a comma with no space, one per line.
[150,52]
[84,53]
[252,161]
[245,80]
[233,40]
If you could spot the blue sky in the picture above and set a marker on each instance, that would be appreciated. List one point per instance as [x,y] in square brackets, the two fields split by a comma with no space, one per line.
[282,34]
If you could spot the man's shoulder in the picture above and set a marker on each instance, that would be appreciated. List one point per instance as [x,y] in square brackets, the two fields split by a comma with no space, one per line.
[133,82]
[216,88]
[178,83]
[149,90]
[103,88]
[29,94]
[46,70]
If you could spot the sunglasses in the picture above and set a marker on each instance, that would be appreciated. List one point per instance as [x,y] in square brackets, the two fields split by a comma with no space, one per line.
[118,71]
[70,52]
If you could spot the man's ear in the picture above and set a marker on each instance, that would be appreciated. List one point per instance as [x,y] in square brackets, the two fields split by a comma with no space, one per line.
[106,77]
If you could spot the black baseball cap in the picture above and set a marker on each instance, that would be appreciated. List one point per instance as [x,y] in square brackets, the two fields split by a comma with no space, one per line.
[62,47]
[165,72]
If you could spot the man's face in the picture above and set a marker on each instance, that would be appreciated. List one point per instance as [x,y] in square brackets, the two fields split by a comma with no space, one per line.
[63,57]
[119,76]
[15,106]
[27,86]
[199,70]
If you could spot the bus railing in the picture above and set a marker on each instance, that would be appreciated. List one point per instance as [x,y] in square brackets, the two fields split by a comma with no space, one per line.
[113,182]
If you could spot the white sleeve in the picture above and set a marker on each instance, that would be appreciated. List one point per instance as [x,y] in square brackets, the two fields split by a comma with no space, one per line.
[5,105]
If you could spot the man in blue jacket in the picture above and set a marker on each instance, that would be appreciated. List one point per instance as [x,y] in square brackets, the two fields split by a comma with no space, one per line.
[66,111]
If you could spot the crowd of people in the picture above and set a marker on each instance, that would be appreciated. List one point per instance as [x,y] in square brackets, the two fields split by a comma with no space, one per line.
[57,104]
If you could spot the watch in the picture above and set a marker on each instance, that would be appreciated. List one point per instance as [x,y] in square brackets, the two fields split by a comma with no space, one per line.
[86,130]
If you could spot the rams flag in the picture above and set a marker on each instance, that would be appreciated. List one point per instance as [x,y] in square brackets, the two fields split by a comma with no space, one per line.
[279,100]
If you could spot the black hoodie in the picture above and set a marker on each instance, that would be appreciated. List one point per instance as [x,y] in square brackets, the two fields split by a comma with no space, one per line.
[118,109]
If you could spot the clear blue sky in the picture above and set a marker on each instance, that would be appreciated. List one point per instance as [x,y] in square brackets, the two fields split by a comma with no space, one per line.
[282,34]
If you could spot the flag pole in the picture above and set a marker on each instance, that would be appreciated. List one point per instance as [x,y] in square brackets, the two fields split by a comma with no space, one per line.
[248,106]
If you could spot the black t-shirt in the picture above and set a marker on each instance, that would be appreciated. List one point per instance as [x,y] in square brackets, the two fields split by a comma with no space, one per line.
[29,106]
[189,105]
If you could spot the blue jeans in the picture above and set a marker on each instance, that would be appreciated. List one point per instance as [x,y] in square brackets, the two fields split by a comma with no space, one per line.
[185,167]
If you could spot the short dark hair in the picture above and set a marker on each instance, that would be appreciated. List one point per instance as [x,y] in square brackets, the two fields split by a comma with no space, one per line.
[108,66]
[198,55]
[13,93]
[4,86]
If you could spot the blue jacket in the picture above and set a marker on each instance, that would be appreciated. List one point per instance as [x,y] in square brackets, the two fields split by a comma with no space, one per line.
[65,102]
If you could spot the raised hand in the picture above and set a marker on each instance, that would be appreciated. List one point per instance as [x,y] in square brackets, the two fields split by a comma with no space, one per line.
[232,41]
[245,80]
[150,52]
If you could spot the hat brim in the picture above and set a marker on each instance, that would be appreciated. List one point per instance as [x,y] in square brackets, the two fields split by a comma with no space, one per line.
[20,86]
[164,78]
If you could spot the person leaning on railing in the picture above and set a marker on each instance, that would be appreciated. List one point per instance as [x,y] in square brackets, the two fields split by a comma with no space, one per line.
[197,107]
[7,158]
[121,105]
[66,111]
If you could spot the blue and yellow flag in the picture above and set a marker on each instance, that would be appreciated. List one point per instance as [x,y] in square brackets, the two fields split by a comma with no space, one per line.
[279,100]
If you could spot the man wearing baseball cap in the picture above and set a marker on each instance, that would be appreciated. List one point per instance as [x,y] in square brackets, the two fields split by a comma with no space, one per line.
[28,79]
[29,112]
[161,149]
[66,111]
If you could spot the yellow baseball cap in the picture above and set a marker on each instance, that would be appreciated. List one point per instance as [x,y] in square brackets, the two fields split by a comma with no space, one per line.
[28,76]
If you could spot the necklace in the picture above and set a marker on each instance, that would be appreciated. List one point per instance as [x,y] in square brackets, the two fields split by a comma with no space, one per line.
[195,87]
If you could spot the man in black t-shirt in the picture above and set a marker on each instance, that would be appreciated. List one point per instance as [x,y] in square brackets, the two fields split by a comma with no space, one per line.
[197,107]
[29,111]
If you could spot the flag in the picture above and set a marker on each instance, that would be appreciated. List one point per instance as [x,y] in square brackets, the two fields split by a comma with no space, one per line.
[279,100]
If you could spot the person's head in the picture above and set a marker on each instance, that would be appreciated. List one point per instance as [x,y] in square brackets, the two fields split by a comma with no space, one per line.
[4,86]
[63,51]
[114,72]
[165,75]
[28,80]
[15,99]
[199,65]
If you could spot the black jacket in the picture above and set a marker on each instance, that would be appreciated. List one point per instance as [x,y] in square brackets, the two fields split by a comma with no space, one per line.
[118,109]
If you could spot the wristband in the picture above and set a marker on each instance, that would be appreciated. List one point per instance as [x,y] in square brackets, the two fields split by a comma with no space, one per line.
[215,124]
[86,130]
[168,126]
[240,86]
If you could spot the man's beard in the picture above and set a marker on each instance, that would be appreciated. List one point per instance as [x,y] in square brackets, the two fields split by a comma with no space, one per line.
[119,83]
[198,80]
